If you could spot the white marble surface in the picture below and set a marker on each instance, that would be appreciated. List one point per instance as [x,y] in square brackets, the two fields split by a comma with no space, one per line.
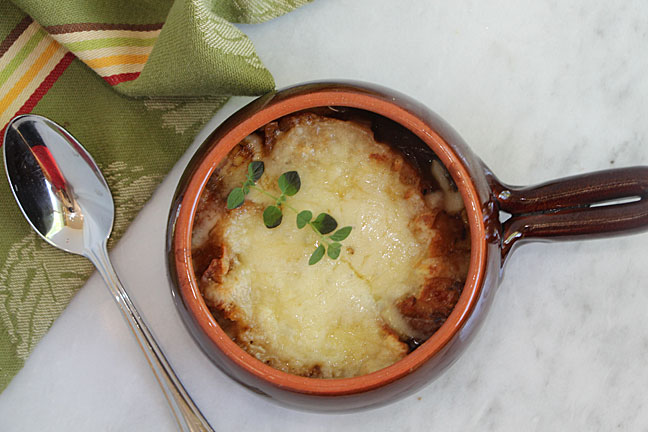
[540,89]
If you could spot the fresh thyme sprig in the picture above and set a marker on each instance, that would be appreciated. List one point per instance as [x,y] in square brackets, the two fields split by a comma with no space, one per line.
[289,184]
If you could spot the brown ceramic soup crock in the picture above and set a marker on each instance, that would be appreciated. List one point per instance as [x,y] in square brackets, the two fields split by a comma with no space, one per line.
[585,206]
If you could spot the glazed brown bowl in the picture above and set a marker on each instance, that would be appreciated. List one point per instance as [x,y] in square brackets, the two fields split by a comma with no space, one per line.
[585,206]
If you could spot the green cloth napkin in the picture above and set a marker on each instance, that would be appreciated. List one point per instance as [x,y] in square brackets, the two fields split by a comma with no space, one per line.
[133,81]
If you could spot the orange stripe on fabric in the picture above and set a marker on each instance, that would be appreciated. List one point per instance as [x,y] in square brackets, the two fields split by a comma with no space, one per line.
[43,88]
[116,60]
[29,75]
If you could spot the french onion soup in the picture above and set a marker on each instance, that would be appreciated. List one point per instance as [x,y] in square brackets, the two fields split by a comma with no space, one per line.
[381,292]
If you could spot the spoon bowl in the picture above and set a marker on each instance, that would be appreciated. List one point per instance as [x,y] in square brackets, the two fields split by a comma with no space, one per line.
[43,162]
[65,198]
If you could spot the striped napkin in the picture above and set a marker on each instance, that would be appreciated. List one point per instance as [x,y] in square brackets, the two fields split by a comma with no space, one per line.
[133,81]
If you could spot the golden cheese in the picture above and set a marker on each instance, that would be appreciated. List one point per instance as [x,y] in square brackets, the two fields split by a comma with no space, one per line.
[338,318]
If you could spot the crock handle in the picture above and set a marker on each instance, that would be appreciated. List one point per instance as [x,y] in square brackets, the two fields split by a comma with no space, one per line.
[598,204]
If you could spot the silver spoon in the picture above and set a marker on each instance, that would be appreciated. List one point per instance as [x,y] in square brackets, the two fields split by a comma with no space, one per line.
[66,200]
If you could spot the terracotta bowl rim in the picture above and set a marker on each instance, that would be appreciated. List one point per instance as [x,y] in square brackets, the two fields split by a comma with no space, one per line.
[354,98]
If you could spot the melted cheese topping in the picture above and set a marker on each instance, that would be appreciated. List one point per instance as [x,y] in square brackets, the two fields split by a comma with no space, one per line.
[338,318]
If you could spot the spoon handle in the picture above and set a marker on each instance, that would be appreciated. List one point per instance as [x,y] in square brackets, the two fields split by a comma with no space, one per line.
[186,413]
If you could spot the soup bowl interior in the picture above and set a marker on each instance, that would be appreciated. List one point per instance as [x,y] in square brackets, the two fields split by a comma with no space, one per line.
[389,105]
